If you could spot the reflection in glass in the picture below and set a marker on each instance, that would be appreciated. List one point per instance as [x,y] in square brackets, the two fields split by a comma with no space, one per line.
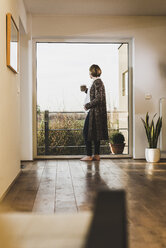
[12,44]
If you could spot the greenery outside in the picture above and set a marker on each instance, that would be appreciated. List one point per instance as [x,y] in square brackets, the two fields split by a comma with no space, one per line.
[65,134]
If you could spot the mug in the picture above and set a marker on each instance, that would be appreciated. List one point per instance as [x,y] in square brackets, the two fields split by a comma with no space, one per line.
[83,87]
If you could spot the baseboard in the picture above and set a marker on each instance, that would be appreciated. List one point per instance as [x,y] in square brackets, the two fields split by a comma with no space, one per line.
[143,159]
[27,160]
[80,156]
[9,187]
[139,158]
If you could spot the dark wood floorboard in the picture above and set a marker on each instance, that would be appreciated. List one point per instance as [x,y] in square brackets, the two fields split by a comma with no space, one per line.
[71,185]
[45,196]
[65,198]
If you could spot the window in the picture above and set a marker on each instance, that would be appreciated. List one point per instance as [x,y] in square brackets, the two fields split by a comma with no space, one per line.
[61,69]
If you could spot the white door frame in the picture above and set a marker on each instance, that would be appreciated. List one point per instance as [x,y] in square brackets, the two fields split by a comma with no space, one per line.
[130,95]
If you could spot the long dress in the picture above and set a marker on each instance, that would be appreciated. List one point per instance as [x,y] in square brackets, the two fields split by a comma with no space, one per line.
[98,129]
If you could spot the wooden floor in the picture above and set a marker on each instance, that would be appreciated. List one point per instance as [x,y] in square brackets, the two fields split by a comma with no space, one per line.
[71,185]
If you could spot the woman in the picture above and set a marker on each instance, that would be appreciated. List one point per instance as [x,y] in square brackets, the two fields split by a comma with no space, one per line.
[95,126]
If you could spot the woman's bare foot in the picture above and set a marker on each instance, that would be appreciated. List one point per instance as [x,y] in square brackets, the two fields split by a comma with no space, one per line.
[96,157]
[87,158]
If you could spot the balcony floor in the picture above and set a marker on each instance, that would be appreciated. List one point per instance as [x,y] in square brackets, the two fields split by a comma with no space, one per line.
[70,186]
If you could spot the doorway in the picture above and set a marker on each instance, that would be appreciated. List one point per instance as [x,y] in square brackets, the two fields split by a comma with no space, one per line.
[59,114]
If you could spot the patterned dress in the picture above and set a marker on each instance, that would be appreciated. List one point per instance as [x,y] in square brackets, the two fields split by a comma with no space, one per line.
[98,129]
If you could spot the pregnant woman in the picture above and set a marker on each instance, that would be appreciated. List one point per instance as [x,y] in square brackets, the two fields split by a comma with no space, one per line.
[95,126]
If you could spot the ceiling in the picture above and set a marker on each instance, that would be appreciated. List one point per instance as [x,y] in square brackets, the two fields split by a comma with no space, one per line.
[96,7]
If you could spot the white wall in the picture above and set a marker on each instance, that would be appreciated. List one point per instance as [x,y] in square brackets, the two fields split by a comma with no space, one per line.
[9,100]
[9,106]
[149,40]
[26,92]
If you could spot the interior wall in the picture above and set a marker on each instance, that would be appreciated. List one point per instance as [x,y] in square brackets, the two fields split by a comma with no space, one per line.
[26,93]
[9,107]
[149,55]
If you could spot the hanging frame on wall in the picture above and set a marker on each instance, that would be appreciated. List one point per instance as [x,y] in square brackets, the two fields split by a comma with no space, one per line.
[12,45]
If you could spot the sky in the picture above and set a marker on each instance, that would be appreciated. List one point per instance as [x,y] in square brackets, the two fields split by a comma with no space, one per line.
[63,67]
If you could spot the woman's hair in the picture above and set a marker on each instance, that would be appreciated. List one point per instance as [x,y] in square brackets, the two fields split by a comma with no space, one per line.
[95,71]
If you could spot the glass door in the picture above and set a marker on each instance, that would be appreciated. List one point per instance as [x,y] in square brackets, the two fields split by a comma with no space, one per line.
[61,69]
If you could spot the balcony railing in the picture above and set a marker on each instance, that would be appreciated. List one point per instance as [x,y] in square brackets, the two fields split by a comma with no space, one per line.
[60,133]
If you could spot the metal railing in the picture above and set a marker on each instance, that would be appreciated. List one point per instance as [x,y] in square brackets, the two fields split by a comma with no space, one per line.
[46,130]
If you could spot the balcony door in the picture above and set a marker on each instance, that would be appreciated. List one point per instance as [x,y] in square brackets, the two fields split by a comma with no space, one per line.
[59,113]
